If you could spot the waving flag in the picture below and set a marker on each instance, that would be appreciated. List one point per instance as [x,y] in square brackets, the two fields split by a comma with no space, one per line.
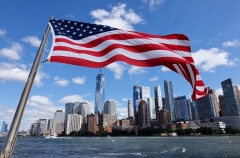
[96,46]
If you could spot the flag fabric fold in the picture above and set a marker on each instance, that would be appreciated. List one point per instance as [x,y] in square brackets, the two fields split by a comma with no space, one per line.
[96,46]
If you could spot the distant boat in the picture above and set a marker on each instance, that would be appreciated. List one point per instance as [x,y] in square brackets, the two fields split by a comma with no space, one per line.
[54,135]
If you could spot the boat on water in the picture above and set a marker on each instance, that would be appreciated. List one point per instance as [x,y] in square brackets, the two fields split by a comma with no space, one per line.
[54,135]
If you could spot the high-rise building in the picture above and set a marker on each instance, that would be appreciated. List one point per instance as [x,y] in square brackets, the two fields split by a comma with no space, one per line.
[75,107]
[140,92]
[58,122]
[143,115]
[110,110]
[169,99]
[41,126]
[136,96]
[50,124]
[231,98]
[68,110]
[3,127]
[100,93]
[207,106]
[74,122]
[158,98]
[222,105]
[189,109]
[33,129]
[92,123]
[194,110]
[151,108]
[110,107]
[181,108]
[163,117]
[130,109]
[84,109]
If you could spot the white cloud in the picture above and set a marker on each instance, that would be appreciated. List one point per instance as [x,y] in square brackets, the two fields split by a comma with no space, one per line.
[19,72]
[118,17]
[165,69]
[153,79]
[61,82]
[79,80]
[234,43]
[33,40]
[126,99]
[219,91]
[71,99]
[209,59]
[122,112]
[3,32]
[13,52]
[117,68]
[134,70]
[38,101]
[153,3]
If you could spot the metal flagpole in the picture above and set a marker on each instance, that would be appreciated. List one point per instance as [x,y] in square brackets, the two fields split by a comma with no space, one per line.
[11,137]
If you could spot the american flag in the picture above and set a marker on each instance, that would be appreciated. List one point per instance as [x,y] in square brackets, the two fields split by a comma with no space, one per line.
[96,46]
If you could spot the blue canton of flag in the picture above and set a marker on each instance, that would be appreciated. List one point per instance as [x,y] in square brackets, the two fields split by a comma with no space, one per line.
[77,30]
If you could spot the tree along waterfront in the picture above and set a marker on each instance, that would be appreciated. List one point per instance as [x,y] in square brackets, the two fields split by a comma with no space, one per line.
[157,132]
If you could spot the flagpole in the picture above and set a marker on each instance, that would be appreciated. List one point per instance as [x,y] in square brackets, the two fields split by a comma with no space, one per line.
[11,137]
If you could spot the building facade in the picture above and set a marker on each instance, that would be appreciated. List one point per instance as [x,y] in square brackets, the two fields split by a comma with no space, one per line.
[58,122]
[231,98]
[92,123]
[74,123]
[158,98]
[169,99]
[163,117]
[139,93]
[151,108]
[100,93]
[143,115]
[181,108]
[208,106]
[41,126]
[130,109]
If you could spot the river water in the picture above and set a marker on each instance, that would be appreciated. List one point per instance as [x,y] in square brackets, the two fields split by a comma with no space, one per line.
[101,147]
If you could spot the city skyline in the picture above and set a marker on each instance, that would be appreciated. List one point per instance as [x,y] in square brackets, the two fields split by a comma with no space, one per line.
[214,43]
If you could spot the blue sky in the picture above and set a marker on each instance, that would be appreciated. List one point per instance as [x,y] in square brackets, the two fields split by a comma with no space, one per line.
[213,28]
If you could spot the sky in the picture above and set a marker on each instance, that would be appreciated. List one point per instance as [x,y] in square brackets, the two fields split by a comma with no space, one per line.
[213,28]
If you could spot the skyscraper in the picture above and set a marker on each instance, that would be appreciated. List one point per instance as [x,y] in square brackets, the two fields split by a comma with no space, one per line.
[208,106]
[181,108]
[158,98]
[58,122]
[75,107]
[100,93]
[3,127]
[222,106]
[41,126]
[74,122]
[136,96]
[151,108]
[110,110]
[130,108]
[169,99]
[231,98]
[68,110]
[143,115]
[84,109]
[110,107]
[140,92]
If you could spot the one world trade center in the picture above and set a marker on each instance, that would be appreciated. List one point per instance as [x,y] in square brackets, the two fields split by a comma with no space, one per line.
[100,93]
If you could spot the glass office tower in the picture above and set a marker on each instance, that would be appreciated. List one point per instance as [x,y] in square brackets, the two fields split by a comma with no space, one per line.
[100,93]
[140,93]
[169,99]
[158,98]
[230,98]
